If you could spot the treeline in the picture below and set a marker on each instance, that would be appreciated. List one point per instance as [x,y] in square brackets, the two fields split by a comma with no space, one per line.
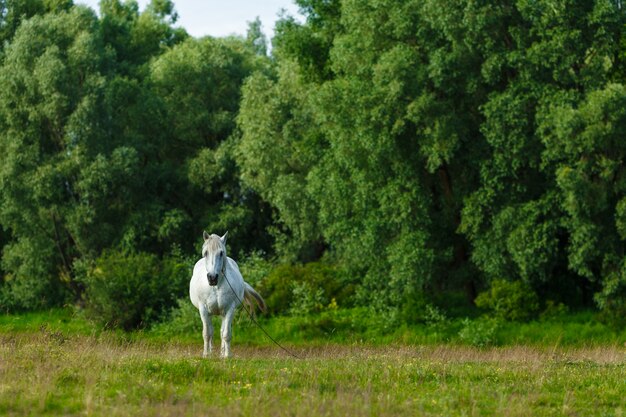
[408,149]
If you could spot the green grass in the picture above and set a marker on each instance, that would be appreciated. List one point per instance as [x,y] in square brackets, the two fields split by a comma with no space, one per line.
[354,326]
[56,319]
[360,326]
[50,373]
[54,363]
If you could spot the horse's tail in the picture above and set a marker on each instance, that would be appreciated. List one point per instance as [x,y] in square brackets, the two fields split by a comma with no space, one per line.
[249,295]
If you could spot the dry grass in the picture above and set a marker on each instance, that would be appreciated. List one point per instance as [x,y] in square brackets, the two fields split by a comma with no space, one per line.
[49,373]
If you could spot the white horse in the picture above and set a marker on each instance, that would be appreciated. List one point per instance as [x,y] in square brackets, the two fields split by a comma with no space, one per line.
[217,287]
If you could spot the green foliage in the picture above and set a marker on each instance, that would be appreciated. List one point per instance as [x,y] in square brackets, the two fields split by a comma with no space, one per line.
[303,289]
[275,153]
[612,297]
[98,141]
[480,332]
[419,146]
[306,299]
[255,38]
[255,267]
[509,300]
[130,290]
[310,44]
[198,85]
[183,318]
[53,83]
[553,310]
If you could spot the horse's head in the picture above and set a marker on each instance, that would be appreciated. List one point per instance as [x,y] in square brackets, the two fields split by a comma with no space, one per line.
[214,254]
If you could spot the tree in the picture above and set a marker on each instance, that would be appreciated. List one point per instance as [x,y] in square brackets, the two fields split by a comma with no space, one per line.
[255,38]
[198,83]
[434,128]
[13,12]
[278,147]
[137,37]
[516,219]
[52,81]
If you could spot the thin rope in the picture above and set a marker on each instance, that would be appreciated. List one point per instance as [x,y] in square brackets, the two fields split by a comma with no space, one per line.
[257,323]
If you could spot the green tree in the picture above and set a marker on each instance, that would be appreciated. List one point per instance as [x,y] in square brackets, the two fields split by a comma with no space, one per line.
[198,83]
[278,147]
[78,174]
[432,129]
[550,56]
[13,12]
[255,38]
[135,37]
[310,44]
[52,79]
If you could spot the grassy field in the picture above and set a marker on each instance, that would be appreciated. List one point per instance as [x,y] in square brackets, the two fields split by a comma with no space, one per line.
[65,367]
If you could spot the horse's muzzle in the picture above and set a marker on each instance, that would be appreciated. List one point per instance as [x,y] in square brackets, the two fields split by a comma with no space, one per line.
[212,279]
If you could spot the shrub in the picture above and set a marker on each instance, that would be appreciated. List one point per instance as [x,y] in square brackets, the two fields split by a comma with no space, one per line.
[612,298]
[131,290]
[255,268]
[306,300]
[303,288]
[183,319]
[509,300]
[30,283]
[553,310]
[479,332]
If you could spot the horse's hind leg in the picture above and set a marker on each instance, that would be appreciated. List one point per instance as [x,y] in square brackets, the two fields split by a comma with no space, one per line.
[227,332]
[207,331]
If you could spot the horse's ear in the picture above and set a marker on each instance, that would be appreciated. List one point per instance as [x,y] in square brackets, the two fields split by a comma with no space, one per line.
[223,238]
[205,235]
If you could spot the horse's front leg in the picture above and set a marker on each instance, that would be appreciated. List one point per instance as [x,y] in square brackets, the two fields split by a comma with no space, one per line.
[226,332]
[207,331]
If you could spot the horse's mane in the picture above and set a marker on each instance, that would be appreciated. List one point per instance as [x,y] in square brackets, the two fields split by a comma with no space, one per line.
[213,244]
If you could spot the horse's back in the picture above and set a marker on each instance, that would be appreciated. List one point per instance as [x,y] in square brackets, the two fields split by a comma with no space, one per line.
[234,269]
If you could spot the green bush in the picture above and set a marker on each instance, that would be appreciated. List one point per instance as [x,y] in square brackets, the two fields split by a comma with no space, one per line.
[304,288]
[553,310]
[254,268]
[184,318]
[509,300]
[479,332]
[132,290]
[30,293]
[306,299]
[612,298]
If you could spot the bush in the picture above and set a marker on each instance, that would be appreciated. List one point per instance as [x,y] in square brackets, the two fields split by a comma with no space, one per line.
[184,318]
[509,300]
[306,299]
[131,290]
[612,298]
[479,332]
[254,268]
[29,281]
[304,288]
[30,293]
[553,310]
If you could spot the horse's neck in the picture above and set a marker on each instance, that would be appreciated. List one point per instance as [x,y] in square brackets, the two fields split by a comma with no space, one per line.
[224,270]
[226,275]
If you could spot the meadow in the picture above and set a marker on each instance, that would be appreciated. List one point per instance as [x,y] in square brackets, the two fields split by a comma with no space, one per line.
[62,365]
